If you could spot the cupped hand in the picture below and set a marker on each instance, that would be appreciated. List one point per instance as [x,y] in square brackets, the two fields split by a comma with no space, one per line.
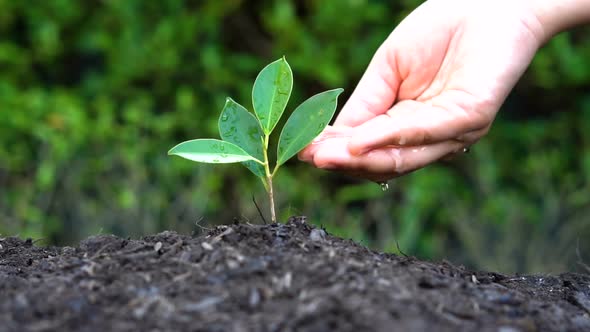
[432,88]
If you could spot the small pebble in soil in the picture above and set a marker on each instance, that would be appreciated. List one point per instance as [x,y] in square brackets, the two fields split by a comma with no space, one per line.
[158,246]
[206,246]
[284,282]
[204,304]
[508,329]
[331,253]
[317,234]
[254,298]
[474,279]
[232,264]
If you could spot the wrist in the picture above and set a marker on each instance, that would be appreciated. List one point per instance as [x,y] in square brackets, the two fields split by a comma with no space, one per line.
[556,16]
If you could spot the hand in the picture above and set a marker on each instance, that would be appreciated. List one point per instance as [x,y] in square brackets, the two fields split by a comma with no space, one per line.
[432,88]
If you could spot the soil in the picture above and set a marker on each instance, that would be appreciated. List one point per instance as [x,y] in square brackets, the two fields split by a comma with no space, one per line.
[279,277]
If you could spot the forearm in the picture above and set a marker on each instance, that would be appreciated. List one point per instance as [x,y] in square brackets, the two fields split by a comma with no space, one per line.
[558,15]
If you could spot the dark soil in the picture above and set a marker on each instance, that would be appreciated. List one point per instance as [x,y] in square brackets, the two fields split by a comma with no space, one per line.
[291,277]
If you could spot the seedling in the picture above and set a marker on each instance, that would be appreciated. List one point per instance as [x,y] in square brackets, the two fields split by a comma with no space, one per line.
[245,137]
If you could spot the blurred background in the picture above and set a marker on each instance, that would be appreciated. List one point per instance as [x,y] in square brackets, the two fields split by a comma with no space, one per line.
[94,93]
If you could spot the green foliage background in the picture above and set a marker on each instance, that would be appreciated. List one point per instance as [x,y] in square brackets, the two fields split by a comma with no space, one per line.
[93,94]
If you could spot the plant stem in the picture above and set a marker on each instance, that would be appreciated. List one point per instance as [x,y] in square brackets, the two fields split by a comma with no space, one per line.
[269,176]
[271,197]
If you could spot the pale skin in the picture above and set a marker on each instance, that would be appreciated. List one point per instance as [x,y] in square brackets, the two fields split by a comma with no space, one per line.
[435,85]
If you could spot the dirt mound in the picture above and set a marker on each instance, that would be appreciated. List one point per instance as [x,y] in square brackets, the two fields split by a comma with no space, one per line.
[291,277]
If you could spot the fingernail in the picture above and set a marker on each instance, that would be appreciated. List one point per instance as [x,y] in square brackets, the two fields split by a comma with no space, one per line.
[356,150]
[326,166]
[304,157]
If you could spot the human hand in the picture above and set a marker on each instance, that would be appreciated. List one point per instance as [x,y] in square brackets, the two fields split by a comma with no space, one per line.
[432,88]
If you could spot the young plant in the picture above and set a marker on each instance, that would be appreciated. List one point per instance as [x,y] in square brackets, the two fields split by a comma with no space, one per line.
[245,137]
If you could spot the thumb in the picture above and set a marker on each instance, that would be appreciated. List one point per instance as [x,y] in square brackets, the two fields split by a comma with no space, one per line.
[375,92]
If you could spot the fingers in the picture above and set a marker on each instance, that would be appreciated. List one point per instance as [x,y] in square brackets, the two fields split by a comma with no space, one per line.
[375,92]
[413,123]
[329,133]
[379,164]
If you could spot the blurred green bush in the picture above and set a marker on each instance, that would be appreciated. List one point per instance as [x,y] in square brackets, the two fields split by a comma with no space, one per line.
[93,93]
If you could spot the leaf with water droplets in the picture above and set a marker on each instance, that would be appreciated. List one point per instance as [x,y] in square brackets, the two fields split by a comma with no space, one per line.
[210,151]
[306,123]
[271,92]
[238,126]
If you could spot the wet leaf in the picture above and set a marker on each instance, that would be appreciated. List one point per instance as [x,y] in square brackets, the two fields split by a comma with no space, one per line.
[271,93]
[210,151]
[307,122]
[238,126]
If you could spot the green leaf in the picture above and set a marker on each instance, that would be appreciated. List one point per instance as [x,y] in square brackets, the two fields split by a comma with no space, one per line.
[306,123]
[210,151]
[238,126]
[271,93]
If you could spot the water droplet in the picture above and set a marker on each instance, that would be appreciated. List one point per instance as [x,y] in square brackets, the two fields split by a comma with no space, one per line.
[224,117]
[384,185]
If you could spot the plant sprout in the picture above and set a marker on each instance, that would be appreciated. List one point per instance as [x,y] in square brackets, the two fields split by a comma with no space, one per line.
[245,136]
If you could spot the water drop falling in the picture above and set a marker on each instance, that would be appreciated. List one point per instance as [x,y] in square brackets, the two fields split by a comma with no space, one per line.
[384,185]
